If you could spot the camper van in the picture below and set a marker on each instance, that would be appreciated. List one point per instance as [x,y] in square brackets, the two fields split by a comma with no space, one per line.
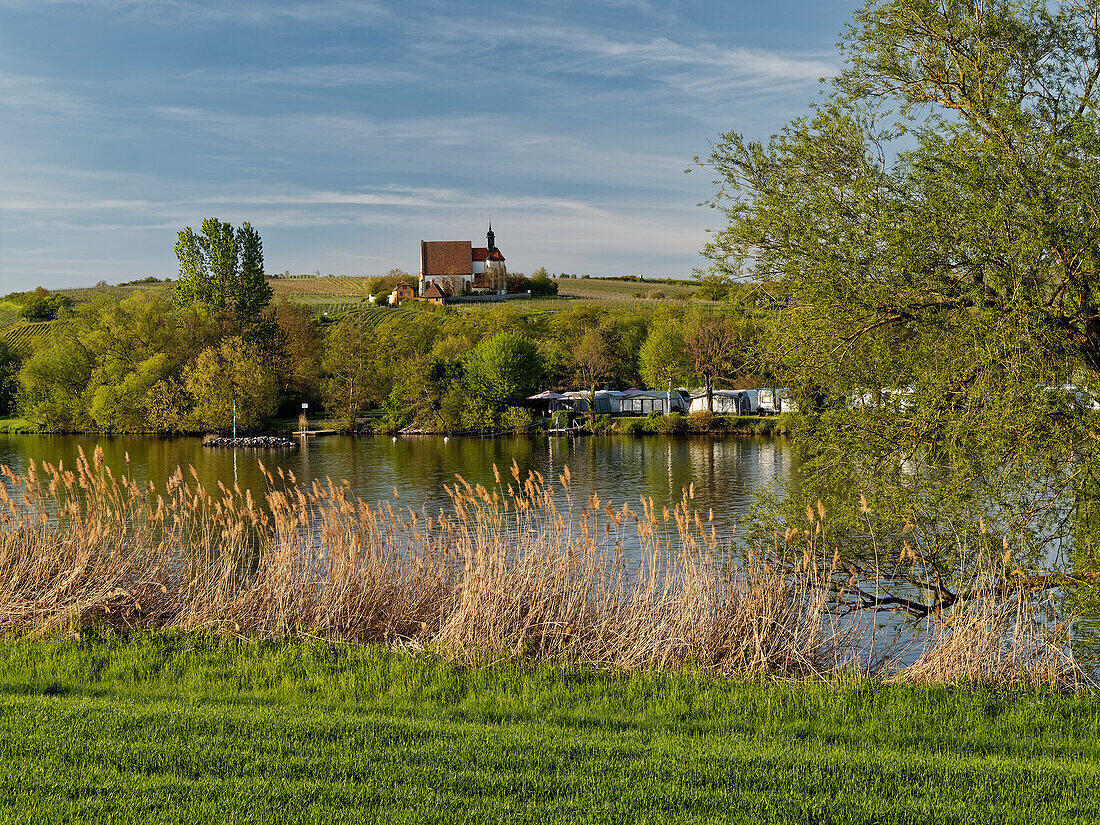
[727,402]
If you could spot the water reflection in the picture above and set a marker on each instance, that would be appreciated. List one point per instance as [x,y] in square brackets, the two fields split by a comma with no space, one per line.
[725,471]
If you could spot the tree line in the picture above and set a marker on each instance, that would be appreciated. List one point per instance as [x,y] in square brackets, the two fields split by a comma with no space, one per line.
[450,370]
[180,361]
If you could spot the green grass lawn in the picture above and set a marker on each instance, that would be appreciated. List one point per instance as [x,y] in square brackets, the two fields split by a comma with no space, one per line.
[177,729]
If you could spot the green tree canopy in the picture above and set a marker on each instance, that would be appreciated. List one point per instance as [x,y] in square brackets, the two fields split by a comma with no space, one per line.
[96,370]
[45,307]
[503,370]
[223,268]
[664,359]
[237,371]
[932,233]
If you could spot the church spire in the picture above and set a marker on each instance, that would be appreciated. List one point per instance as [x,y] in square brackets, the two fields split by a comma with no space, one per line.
[491,237]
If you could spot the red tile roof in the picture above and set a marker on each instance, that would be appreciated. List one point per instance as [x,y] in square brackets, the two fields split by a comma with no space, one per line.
[433,291]
[480,253]
[495,255]
[446,258]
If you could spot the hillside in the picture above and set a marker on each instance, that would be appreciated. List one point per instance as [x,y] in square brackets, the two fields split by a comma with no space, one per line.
[335,296]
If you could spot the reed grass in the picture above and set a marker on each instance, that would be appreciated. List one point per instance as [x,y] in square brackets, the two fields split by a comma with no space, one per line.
[517,571]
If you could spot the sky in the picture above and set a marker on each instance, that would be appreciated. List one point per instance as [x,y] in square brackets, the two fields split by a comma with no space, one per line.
[346,131]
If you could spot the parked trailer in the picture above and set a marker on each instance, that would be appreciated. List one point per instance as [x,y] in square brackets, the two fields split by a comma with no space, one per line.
[728,402]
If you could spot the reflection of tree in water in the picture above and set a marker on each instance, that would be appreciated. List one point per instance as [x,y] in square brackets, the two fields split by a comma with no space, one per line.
[725,471]
[1084,567]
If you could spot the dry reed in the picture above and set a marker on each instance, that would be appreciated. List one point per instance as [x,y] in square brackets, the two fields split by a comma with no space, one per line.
[997,638]
[517,570]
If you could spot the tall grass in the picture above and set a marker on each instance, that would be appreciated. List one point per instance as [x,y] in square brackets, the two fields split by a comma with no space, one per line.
[520,570]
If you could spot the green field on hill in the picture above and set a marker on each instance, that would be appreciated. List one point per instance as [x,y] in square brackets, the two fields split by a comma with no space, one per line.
[610,289]
[184,729]
[339,296]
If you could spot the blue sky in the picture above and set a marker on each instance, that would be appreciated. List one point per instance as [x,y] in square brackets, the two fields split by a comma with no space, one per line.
[347,131]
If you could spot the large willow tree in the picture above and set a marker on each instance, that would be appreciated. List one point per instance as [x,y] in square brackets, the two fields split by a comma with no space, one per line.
[930,234]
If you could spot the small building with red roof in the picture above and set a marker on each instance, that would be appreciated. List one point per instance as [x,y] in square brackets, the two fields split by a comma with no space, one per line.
[403,291]
[434,295]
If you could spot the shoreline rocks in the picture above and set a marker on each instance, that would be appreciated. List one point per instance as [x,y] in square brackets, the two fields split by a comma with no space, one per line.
[259,442]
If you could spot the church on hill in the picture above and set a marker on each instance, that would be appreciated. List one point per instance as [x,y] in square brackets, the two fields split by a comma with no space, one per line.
[459,267]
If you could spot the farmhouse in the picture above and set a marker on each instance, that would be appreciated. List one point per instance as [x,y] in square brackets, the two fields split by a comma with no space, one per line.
[402,292]
[458,267]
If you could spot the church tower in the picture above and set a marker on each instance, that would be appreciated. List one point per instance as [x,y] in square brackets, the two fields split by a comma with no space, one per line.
[490,238]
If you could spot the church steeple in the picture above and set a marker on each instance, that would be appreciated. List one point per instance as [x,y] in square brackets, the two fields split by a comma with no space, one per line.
[491,237]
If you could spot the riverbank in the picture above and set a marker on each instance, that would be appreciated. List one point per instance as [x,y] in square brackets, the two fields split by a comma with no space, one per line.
[379,424]
[699,423]
[184,728]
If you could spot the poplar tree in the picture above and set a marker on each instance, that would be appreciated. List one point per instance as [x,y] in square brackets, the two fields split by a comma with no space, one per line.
[223,268]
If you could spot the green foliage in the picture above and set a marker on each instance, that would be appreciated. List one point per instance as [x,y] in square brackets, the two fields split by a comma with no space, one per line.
[540,283]
[961,264]
[350,369]
[663,360]
[559,420]
[223,269]
[518,418]
[235,372]
[52,383]
[594,358]
[9,378]
[701,421]
[297,349]
[670,424]
[45,307]
[96,370]
[503,370]
[632,426]
[713,286]
[601,424]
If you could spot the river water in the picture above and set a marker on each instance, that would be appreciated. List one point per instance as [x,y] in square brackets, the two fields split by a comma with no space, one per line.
[725,471]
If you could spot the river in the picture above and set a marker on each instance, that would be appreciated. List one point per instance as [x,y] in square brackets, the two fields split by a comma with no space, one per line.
[725,471]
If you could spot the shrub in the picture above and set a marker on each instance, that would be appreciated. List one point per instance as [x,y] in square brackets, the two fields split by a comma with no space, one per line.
[46,307]
[701,421]
[601,424]
[518,418]
[632,426]
[540,283]
[559,420]
[667,424]
[723,422]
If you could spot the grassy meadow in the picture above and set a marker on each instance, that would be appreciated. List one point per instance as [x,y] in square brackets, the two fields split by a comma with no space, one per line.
[185,728]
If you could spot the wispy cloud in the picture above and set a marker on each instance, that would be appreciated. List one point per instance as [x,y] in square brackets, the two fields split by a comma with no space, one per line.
[253,13]
[326,75]
[25,93]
